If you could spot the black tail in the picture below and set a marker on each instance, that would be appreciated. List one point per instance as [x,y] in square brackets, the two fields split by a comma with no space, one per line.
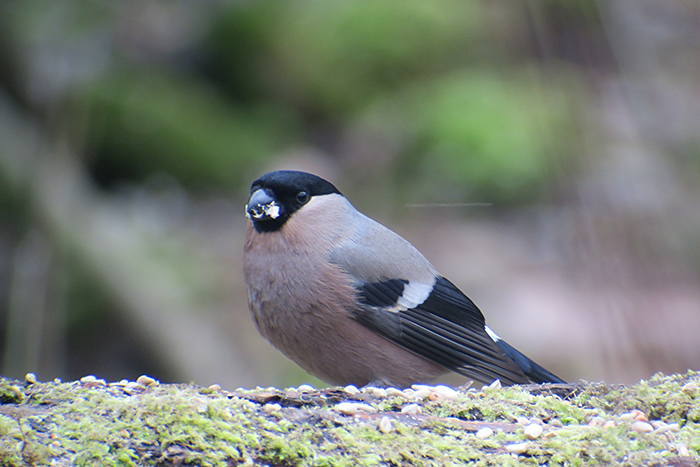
[532,370]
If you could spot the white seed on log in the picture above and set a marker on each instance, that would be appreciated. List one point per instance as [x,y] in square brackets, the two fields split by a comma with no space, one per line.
[421,393]
[146,380]
[386,425]
[272,408]
[353,408]
[517,448]
[682,450]
[642,427]
[396,393]
[597,421]
[378,392]
[411,409]
[533,431]
[446,392]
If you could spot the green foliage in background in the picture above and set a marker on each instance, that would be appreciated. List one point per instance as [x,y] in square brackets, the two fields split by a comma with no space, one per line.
[264,77]
[410,69]
[488,134]
[331,58]
[147,121]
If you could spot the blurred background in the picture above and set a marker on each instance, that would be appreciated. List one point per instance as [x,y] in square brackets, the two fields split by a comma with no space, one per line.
[543,154]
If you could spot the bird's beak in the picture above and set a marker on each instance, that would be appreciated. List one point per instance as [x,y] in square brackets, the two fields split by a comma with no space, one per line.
[261,206]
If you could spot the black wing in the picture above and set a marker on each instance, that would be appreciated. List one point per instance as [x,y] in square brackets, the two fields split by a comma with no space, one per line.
[446,328]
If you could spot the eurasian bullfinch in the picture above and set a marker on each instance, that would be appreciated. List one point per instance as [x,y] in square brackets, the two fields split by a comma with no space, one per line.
[352,302]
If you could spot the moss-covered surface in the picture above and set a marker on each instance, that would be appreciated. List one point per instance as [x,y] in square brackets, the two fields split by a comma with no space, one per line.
[92,423]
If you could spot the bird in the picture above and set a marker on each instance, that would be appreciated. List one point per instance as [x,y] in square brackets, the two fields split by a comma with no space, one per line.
[354,303]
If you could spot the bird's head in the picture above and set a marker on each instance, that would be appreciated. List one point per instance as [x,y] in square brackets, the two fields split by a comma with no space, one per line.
[276,196]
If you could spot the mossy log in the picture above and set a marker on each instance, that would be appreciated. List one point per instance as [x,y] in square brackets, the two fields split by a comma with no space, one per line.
[144,423]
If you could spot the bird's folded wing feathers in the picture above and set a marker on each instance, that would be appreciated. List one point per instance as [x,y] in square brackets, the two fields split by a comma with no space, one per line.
[438,322]
[401,296]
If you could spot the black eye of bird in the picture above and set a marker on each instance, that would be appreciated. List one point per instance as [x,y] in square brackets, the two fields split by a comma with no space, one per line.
[302,197]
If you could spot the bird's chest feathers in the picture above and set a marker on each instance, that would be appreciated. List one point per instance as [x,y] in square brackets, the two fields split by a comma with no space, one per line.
[288,276]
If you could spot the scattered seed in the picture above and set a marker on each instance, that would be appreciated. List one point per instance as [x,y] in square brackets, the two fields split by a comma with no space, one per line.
[30,378]
[682,450]
[517,448]
[556,422]
[446,392]
[522,420]
[272,408]
[214,387]
[484,433]
[395,392]
[533,431]
[642,427]
[351,389]
[131,387]
[378,392]
[386,425]
[495,385]
[306,388]
[626,416]
[667,427]
[146,381]
[633,415]
[91,381]
[421,393]
[609,424]
[597,421]
[353,408]
[202,406]
[411,409]
[690,388]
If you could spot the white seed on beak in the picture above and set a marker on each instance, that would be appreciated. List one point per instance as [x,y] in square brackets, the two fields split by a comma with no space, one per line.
[272,210]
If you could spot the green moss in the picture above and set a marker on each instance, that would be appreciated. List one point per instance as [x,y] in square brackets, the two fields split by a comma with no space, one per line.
[10,393]
[85,425]
[661,398]
[509,404]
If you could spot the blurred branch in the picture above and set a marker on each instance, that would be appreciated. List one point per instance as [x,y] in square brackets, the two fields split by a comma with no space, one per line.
[28,306]
[66,203]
